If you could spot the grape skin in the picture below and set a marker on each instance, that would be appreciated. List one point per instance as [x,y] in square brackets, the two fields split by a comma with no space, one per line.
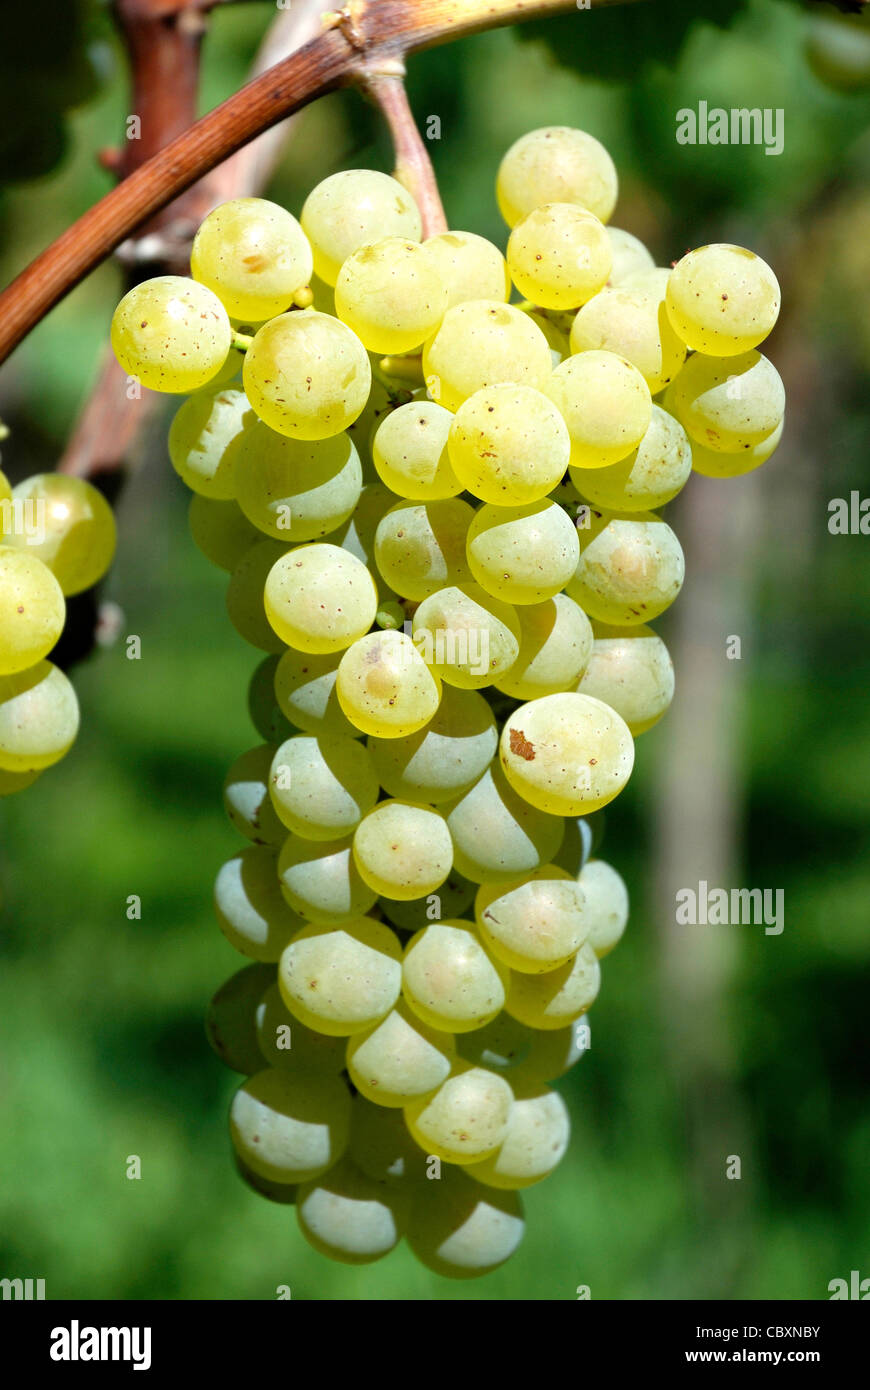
[630,670]
[320,881]
[484,342]
[509,445]
[449,979]
[341,979]
[384,686]
[566,754]
[296,490]
[39,718]
[321,786]
[466,1120]
[497,834]
[250,908]
[606,405]
[462,1229]
[722,299]
[246,797]
[559,256]
[80,535]
[352,208]
[324,398]
[399,1059]
[470,267]
[649,477]
[556,164]
[319,598]
[201,438]
[391,294]
[290,1129]
[254,255]
[522,554]
[171,333]
[444,758]
[631,568]
[402,849]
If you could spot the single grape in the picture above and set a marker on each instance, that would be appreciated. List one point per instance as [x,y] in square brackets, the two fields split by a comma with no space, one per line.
[630,256]
[294,489]
[555,646]
[245,595]
[402,849]
[391,294]
[559,997]
[263,707]
[287,1044]
[343,979]
[449,979]
[74,532]
[246,797]
[201,439]
[534,923]
[509,445]
[171,333]
[254,255]
[559,256]
[420,546]
[481,343]
[606,405]
[631,568]
[466,1120]
[231,1020]
[633,323]
[452,898]
[319,598]
[307,375]
[322,785]
[399,1059]
[288,1128]
[566,754]
[522,554]
[631,671]
[556,164]
[32,610]
[538,1133]
[351,209]
[251,910]
[460,1229]
[468,637]
[410,452]
[606,905]
[714,464]
[470,267]
[445,757]
[497,834]
[384,686]
[306,693]
[722,299]
[39,718]
[349,1217]
[321,882]
[220,530]
[649,477]
[729,404]
[381,1146]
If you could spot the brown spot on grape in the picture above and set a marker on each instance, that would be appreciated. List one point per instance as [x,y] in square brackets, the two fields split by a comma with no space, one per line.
[520,745]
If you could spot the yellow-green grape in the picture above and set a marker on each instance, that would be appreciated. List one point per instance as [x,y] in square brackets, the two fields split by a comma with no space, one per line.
[349,1217]
[403,849]
[468,637]
[294,489]
[321,882]
[460,1229]
[66,523]
[630,670]
[32,610]
[282,1193]
[470,266]
[420,546]
[509,445]
[634,324]
[290,1128]
[400,1059]
[556,1051]
[649,477]
[231,1019]
[172,333]
[254,255]
[714,464]
[251,911]
[351,209]
[384,686]
[319,598]
[466,1119]
[39,718]
[454,895]
[450,980]
[263,707]
[536,1141]
[287,1044]
[391,294]
[522,554]
[722,299]
[322,786]
[729,404]
[555,645]
[533,923]
[654,281]
[306,693]
[556,164]
[837,47]
[445,757]
[559,256]
[358,535]
[631,568]
[245,595]
[630,256]
[381,1146]
[557,340]
[410,452]
[5,487]
[220,530]
[307,375]
[341,979]
[201,436]
[525,1055]
[566,754]
[559,997]
[606,905]
[606,405]
[497,834]
[12,782]
[482,343]
[246,797]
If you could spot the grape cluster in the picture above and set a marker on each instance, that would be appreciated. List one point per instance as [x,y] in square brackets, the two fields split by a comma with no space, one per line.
[439,511]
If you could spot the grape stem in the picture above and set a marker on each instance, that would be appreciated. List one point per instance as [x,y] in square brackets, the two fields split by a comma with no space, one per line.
[386,87]
[242,341]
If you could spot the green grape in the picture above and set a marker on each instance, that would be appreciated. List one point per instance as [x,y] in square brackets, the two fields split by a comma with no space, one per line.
[525,1055]
[39,718]
[32,610]
[319,598]
[381,1146]
[12,782]
[390,615]
[555,646]
[451,900]
[306,693]
[307,375]
[631,568]
[294,489]
[287,1044]
[249,905]
[201,439]
[349,1217]
[559,256]
[729,404]
[534,923]
[400,1059]
[410,452]
[254,255]
[522,554]
[220,530]
[358,535]
[172,333]
[466,635]
[449,979]
[509,445]
[722,299]
[556,1051]
[420,546]
[343,979]
[246,797]
[351,209]
[460,1230]
[321,882]
[289,1128]
[559,997]
[466,1120]
[556,164]
[582,836]
[837,47]
[263,707]
[322,785]
[557,341]
[403,850]
[384,686]
[606,405]
[566,754]
[634,324]
[649,477]
[282,1193]
[445,757]
[245,601]
[631,671]
[630,256]
[714,464]
[606,905]
[481,343]
[391,294]
[470,266]
[497,834]
[538,1133]
[231,1020]
[77,533]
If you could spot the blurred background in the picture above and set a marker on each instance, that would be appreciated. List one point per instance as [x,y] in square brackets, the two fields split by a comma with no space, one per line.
[706,1041]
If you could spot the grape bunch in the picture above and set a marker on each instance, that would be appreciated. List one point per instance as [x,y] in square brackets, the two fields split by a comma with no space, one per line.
[440,514]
